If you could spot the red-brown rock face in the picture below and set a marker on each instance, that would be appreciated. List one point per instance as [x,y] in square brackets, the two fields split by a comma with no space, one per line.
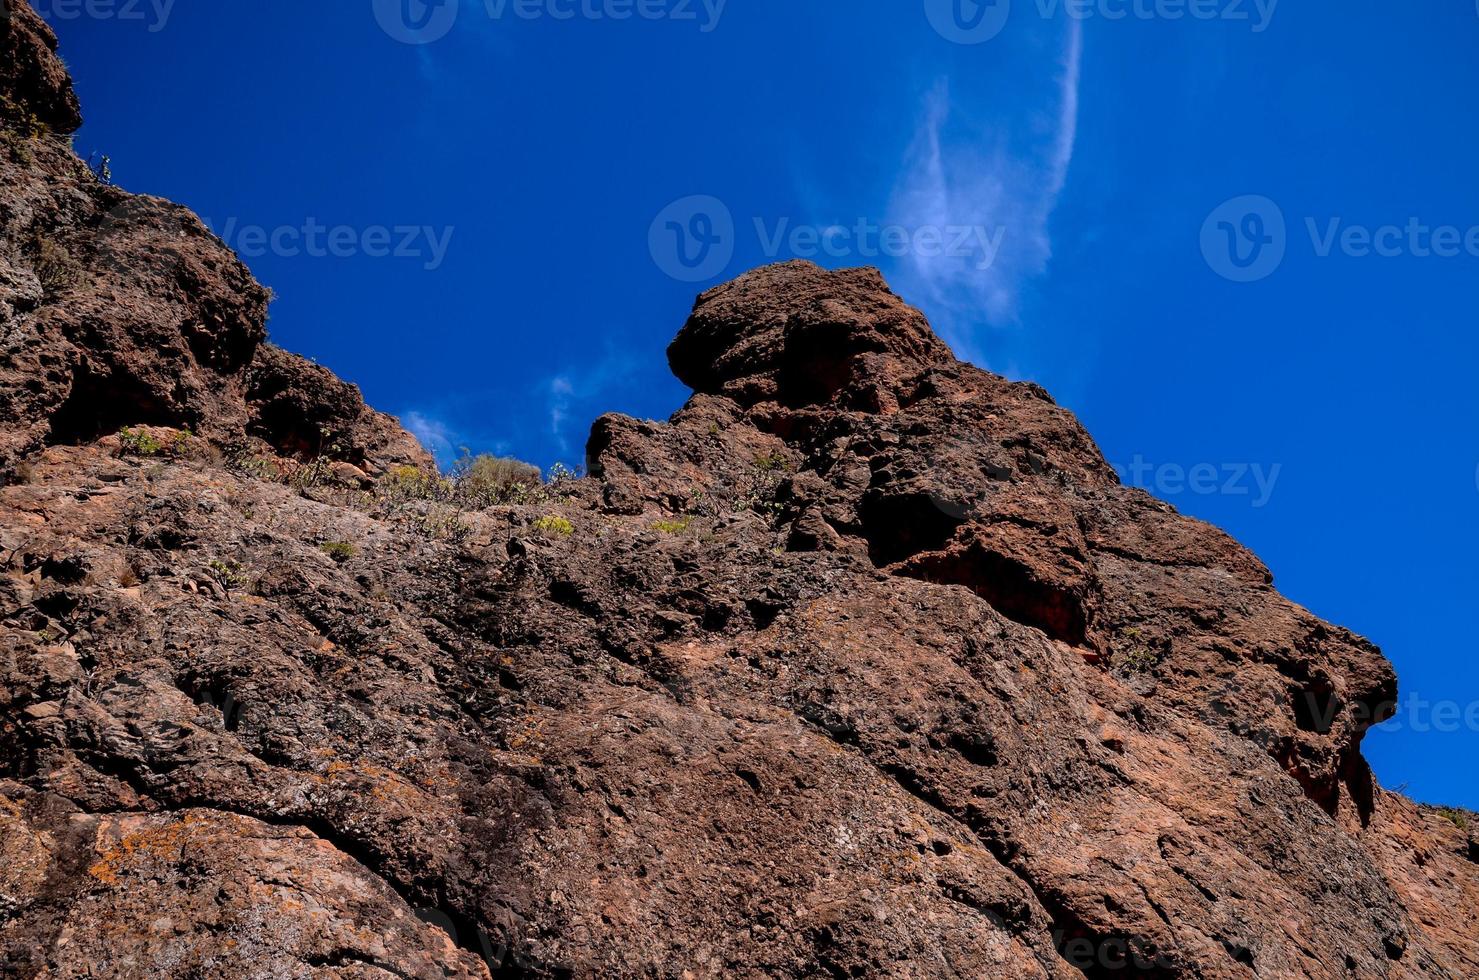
[863,664]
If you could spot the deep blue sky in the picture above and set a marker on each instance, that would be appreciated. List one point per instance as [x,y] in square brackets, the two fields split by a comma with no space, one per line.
[1092,151]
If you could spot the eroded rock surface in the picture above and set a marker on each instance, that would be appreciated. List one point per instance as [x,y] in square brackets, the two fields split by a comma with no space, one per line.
[863,664]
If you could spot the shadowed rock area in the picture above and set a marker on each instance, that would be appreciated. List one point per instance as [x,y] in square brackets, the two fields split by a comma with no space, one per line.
[864,664]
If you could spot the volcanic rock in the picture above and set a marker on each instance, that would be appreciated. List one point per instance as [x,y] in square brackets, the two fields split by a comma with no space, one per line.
[863,664]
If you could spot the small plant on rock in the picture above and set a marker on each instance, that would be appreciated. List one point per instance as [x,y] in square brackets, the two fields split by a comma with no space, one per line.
[1458,818]
[101,166]
[553,524]
[1135,656]
[560,475]
[19,147]
[442,524]
[137,442]
[55,266]
[771,462]
[338,551]
[228,575]
[256,467]
[403,484]
[673,527]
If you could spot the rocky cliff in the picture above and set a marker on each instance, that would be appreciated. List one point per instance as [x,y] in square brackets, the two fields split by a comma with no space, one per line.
[863,664]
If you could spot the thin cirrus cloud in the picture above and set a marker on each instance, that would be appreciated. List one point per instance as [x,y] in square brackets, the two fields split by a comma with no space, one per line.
[571,397]
[434,434]
[999,170]
[548,421]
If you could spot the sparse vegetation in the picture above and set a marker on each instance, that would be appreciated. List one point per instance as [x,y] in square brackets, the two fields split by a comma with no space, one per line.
[32,127]
[25,123]
[1133,655]
[141,442]
[673,527]
[441,524]
[339,551]
[54,266]
[495,480]
[1458,818]
[759,490]
[19,147]
[405,483]
[554,524]
[137,442]
[228,575]
[252,465]
[22,128]
[771,462]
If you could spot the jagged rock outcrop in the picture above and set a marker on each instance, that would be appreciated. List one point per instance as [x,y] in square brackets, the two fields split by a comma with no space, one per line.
[34,84]
[123,310]
[863,664]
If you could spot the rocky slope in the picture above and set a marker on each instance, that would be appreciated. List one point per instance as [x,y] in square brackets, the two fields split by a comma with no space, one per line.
[863,664]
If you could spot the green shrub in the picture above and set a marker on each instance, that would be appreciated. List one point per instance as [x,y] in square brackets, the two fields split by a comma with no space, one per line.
[441,524]
[256,467]
[1136,660]
[552,524]
[673,527]
[559,475]
[339,551]
[137,442]
[771,462]
[495,480]
[406,483]
[228,575]
[1458,818]
[19,147]
[180,444]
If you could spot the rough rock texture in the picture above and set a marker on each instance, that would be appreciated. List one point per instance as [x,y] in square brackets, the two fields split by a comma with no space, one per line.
[863,664]
[34,84]
[119,310]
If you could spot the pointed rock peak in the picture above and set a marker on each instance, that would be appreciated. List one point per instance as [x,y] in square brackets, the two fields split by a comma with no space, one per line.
[800,334]
[35,89]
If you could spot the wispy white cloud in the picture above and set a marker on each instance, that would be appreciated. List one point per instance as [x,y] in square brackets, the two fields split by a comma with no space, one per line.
[547,419]
[434,434]
[569,391]
[560,392]
[999,169]
[446,441]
